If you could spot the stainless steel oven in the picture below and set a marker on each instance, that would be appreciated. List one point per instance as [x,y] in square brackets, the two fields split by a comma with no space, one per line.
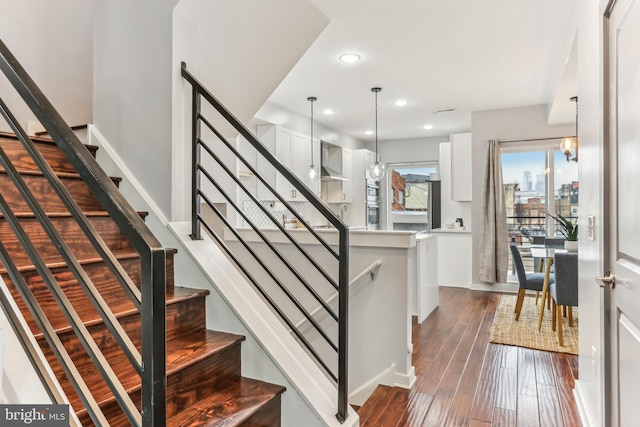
[373,192]
[373,216]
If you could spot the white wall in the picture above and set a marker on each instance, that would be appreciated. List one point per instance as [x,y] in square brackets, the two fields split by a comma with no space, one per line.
[504,125]
[590,263]
[240,55]
[53,40]
[132,87]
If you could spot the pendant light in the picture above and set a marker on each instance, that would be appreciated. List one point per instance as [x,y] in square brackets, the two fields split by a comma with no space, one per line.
[312,173]
[376,169]
[569,146]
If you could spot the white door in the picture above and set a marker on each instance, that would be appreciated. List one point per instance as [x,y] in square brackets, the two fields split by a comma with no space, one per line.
[622,207]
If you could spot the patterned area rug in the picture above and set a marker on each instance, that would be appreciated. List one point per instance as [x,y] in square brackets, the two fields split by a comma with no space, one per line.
[524,333]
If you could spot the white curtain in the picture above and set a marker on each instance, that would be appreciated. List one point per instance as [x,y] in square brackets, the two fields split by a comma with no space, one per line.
[494,253]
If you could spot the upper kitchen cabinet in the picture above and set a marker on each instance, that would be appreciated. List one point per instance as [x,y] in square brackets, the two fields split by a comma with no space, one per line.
[461,167]
[293,150]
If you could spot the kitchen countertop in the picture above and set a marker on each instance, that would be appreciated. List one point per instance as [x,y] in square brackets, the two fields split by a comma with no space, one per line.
[451,230]
[368,238]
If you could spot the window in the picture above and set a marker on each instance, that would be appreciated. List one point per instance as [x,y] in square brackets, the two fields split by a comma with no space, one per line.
[537,180]
[410,189]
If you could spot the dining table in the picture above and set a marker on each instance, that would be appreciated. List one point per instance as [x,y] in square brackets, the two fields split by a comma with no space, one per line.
[546,254]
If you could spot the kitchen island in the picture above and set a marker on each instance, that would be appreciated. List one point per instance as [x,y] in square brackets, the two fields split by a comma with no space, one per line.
[390,282]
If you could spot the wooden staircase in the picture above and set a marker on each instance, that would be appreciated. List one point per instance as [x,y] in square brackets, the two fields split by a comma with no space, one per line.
[204,382]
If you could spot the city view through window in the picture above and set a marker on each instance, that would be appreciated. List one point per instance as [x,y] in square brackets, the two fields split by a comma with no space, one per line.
[535,183]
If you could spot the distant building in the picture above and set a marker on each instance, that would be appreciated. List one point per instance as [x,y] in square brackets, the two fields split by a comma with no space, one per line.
[540,182]
[398,188]
[527,185]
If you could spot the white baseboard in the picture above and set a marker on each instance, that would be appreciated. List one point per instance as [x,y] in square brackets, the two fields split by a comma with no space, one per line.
[405,380]
[359,397]
[581,404]
[389,377]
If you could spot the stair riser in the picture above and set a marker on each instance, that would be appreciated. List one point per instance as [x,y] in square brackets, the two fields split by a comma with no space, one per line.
[268,415]
[182,317]
[69,230]
[51,153]
[101,276]
[46,196]
[185,387]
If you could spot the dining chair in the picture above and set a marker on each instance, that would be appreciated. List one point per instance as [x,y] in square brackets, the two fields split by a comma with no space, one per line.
[564,290]
[527,281]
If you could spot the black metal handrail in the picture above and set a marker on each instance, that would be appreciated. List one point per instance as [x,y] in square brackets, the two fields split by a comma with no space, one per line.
[341,255]
[150,300]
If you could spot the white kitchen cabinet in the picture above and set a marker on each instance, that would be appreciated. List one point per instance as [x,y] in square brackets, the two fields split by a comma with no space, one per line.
[461,167]
[293,150]
[342,191]
[454,257]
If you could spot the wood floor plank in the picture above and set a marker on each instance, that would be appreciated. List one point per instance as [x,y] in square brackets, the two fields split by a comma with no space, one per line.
[507,390]
[474,382]
[544,368]
[526,372]
[504,418]
[419,405]
[561,367]
[527,413]
[550,412]
[567,402]
[485,400]
[476,423]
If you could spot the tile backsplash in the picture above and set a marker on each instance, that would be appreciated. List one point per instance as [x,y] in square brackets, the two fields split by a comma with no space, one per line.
[280,213]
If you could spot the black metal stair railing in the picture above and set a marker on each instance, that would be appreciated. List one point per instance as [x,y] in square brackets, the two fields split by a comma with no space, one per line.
[149,300]
[206,182]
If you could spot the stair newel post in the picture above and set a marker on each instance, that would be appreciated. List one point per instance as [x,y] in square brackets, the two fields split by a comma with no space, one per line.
[196,233]
[343,324]
[154,379]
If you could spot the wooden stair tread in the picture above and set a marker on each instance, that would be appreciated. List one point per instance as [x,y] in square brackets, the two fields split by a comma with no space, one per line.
[68,175]
[181,353]
[370,405]
[40,138]
[120,255]
[122,309]
[67,214]
[230,405]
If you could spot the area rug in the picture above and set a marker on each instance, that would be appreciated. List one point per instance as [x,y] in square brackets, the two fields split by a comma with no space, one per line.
[524,333]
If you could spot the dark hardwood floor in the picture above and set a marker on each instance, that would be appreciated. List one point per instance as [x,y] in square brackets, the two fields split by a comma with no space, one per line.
[463,380]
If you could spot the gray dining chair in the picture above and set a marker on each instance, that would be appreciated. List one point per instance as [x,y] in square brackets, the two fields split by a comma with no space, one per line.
[564,291]
[527,281]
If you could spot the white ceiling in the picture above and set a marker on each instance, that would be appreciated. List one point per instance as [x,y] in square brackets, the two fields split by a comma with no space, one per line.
[465,54]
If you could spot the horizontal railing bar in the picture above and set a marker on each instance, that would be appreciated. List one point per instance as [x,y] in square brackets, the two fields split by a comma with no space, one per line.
[65,251]
[267,270]
[275,221]
[266,296]
[264,238]
[72,316]
[22,331]
[94,237]
[266,184]
[290,176]
[52,339]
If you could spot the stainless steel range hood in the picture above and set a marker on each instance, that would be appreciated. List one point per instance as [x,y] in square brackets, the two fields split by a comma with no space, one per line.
[331,163]
[328,174]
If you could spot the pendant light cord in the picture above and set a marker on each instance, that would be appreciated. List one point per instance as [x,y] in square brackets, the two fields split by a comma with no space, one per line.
[312,99]
[376,90]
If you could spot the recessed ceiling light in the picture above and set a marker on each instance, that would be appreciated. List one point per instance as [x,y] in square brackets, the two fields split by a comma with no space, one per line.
[350,58]
[368,132]
[328,112]
[401,102]
[428,127]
